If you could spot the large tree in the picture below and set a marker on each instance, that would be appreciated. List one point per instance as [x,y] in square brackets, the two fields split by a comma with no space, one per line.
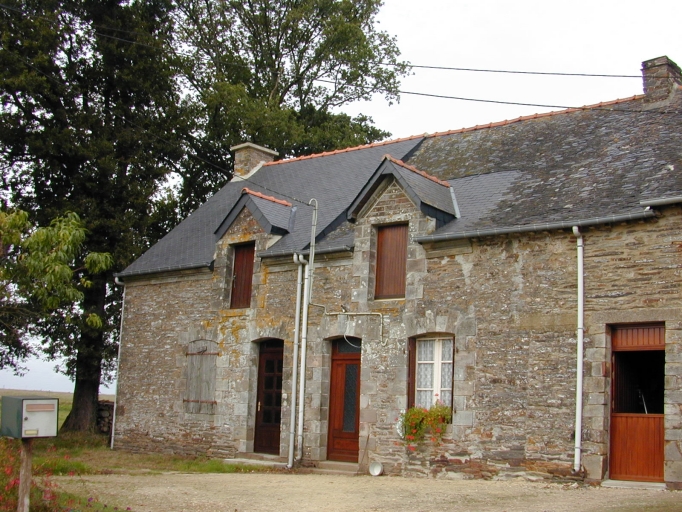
[274,72]
[90,123]
[104,101]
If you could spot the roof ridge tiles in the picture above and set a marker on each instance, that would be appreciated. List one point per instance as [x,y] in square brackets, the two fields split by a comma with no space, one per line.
[415,170]
[246,190]
[345,150]
[537,116]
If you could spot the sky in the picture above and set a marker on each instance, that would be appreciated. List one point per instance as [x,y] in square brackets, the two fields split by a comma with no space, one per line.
[580,36]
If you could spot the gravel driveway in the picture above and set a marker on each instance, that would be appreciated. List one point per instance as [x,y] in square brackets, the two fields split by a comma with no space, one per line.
[313,492]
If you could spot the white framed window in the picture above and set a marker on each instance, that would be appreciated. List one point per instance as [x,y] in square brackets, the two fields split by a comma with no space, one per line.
[434,371]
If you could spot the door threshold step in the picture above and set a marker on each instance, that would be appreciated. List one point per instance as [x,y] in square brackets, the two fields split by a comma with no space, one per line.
[258,459]
[331,467]
[628,484]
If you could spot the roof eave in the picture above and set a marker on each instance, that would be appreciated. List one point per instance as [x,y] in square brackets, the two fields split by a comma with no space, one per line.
[528,228]
[160,270]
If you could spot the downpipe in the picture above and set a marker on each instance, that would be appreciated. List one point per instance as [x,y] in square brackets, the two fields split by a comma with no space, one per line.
[307,293]
[300,261]
[577,456]
[118,360]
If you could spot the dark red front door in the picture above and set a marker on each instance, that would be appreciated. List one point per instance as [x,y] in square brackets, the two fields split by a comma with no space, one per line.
[344,401]
[269,406]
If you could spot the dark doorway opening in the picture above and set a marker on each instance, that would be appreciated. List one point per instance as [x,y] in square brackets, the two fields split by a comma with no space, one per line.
[639,381]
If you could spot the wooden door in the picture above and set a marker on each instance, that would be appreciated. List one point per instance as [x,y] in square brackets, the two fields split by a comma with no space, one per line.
[344,401]
[269,406]
[637,387]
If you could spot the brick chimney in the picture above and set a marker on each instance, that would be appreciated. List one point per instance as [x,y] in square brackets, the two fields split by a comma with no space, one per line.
[660,76]
[248,155]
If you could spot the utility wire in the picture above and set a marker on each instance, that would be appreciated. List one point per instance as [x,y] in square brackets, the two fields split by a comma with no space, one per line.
[447,68]
[411,93]
[500,102]
[416,66]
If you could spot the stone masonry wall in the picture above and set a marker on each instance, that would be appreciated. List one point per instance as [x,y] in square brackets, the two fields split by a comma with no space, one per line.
[508,301]
[158,319]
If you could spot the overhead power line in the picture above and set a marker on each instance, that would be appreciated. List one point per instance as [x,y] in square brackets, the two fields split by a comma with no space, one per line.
[414,66]
[549,73]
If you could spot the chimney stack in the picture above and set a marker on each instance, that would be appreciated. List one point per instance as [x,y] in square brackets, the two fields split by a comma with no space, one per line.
[248,155]
[660,76]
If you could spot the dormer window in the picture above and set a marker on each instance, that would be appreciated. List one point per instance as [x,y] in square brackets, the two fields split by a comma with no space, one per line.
[391,263]
[242,275]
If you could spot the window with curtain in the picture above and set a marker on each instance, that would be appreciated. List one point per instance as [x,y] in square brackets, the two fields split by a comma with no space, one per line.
[431,371]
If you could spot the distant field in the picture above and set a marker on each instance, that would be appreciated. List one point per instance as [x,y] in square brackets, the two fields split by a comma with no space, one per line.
[50,394]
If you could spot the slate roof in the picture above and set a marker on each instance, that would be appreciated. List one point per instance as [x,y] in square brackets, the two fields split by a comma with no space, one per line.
[334,179]
[575,167]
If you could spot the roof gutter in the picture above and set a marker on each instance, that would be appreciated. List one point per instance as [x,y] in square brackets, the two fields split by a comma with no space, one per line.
[662,201]
[545,226]
[157,270]
[289,252]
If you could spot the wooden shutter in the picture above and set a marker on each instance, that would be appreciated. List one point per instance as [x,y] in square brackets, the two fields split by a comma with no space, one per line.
[391,262]
[242,276]
[411,371]
[201,375]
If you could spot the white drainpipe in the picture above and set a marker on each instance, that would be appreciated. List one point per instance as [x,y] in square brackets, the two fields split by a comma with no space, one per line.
[294,377]
[579,357]
[307,292]
[118,360]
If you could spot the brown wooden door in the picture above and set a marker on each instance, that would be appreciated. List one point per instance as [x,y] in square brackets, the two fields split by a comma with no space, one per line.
[637,388]
[344,401]
[269,406]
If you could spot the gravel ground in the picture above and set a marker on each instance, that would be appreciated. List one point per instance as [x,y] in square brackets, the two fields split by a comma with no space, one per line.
[312,492]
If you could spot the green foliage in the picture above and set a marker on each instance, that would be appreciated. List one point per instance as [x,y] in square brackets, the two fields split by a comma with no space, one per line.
[416,422]
[91,122]
[272,73]
[100,115]
[37,275]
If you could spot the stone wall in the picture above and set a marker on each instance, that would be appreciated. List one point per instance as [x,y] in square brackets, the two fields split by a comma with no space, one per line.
[508,301]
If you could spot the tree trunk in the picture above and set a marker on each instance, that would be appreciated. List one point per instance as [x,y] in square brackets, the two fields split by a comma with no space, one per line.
[83,415]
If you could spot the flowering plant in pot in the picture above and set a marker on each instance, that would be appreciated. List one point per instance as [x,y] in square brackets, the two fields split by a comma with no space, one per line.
[416,422]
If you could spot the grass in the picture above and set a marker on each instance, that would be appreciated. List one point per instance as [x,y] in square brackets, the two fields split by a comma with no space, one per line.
[74,454]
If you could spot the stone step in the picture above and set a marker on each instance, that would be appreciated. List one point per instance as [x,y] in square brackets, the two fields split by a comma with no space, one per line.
[259,459]
[627,484]
[331,467]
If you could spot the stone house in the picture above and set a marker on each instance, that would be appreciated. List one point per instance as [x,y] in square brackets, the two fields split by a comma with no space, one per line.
[528,273]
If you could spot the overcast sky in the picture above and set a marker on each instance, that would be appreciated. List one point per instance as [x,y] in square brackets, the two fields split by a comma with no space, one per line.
[580,36]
